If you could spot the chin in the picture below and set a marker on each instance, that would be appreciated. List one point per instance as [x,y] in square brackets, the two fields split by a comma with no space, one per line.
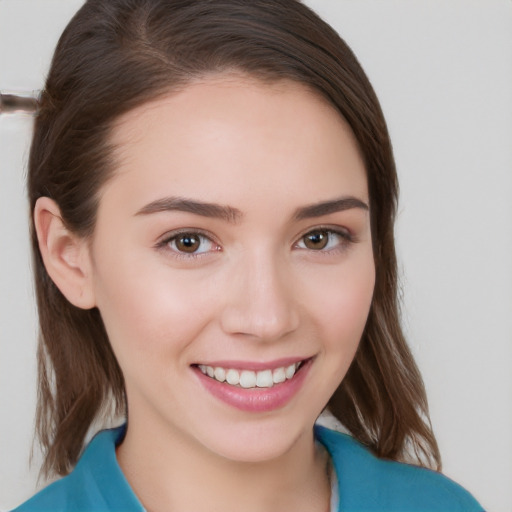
[256,441]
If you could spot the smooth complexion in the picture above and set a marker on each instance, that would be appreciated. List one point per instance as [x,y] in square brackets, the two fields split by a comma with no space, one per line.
[235,234]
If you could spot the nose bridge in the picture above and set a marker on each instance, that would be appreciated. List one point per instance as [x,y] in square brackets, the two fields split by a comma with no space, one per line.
[260,301]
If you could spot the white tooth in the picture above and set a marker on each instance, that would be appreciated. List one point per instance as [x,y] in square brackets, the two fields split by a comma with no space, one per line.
[290,371]
[264,379]
[209,371]
[279,375]
[248,379]
[232,377]
[220,374]
[202,367]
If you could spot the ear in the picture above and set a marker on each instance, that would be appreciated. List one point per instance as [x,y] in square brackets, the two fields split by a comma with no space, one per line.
[66,256]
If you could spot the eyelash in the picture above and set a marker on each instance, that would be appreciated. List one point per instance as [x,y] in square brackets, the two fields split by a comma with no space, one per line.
[345,236]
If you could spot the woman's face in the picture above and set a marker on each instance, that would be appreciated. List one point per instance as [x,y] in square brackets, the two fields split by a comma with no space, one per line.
[233,243]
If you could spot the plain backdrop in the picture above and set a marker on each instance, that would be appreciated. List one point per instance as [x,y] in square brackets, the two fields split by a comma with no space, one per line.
[443,72]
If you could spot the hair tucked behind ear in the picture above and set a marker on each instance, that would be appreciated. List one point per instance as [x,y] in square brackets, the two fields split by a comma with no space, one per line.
[118,54]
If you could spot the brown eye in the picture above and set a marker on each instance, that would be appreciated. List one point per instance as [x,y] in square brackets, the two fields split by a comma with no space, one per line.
[325,240]
[188,242]
[316,240]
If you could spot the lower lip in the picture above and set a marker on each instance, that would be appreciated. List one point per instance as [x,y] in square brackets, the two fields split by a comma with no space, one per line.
[256,399]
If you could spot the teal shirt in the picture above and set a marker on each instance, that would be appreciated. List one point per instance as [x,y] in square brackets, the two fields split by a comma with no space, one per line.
[365,482]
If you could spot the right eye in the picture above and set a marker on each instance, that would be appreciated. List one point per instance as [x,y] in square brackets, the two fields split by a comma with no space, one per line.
[189,243]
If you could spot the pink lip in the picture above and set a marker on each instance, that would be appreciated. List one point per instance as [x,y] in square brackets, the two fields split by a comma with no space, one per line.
[256,399]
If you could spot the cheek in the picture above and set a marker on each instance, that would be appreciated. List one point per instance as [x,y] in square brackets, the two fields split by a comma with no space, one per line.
[152,313]
[342,304]
[339,310]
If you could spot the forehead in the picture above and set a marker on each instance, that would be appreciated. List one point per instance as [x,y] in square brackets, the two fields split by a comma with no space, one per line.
[229,130]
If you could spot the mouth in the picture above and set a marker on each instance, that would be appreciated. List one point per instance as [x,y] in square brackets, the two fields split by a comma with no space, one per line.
[249,379]
[254,387]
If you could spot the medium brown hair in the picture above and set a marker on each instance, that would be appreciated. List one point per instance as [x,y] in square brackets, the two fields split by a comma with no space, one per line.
[118,54]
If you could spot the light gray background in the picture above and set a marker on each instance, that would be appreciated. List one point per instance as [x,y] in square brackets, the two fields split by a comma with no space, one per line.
[443,72]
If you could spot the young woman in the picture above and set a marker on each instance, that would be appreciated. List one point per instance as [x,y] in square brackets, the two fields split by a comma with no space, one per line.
[213,195]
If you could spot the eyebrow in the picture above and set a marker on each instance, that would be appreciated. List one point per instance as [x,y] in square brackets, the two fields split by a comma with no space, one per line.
[327,207]
[233,215]
[181,204]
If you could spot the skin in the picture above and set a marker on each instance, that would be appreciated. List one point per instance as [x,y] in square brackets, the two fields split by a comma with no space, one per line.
[253,291]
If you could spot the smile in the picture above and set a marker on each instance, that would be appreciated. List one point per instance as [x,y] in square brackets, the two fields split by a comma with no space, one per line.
[256,389]
[248,379]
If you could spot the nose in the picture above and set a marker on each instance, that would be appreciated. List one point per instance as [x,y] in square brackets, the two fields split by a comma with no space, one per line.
[260,301]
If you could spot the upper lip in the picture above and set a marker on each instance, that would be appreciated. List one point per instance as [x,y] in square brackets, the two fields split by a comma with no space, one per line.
[255,365]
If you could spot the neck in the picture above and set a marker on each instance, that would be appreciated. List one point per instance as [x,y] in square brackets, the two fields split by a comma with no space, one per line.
[171,471]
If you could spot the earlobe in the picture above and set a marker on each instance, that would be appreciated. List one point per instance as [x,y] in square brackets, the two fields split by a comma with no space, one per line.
[65,255]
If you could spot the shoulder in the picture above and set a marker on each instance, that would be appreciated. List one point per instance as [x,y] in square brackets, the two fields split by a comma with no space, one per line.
[96,483]
[58,496]
[368,483]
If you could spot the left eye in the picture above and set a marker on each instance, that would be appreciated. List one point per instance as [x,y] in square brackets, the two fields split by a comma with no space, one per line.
[321,240]
[190,243]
